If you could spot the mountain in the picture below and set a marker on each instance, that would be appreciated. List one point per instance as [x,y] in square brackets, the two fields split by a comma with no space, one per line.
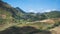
[17,15]
[9,13]
[53,14]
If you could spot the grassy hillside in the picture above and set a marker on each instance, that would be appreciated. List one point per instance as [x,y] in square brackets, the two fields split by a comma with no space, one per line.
[24,30]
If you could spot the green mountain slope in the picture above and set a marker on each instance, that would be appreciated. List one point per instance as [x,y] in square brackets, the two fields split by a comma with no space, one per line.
[53,14]
[8,13]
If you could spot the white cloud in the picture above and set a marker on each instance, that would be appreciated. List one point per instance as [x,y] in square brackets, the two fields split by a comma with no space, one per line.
[41,10]
[54,9]
[31,10]
[48,10]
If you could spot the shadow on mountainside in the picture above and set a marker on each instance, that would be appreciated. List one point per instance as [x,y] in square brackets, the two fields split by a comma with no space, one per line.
[23,30]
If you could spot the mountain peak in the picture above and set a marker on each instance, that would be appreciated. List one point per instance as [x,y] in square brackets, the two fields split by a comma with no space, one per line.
[19,9]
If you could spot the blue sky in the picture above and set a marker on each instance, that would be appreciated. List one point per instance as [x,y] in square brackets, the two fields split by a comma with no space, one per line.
[35,5]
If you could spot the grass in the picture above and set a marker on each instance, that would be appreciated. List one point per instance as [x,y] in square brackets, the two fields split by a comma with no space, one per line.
[42,26]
